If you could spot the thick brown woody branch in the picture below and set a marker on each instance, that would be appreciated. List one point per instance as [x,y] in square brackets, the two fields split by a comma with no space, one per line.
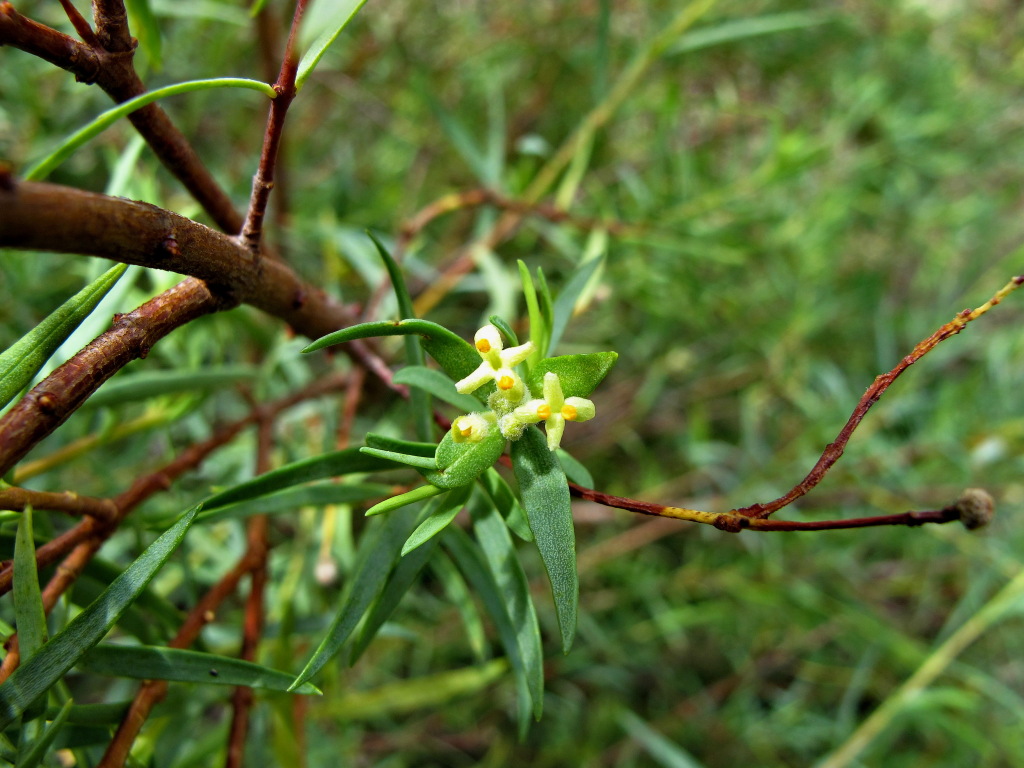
[48,217]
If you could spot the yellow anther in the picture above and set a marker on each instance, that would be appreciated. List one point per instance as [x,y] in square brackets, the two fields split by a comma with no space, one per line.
[467,430]
[506,382]
[483,346]
[544,411]
[569,412]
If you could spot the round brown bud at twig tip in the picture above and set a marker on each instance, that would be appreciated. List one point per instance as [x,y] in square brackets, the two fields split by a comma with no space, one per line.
[975,508]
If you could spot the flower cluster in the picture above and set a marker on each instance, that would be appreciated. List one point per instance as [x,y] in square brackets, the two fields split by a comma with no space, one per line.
[511,408]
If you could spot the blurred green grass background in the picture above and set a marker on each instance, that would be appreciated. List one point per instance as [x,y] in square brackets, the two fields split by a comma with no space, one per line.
[794,194]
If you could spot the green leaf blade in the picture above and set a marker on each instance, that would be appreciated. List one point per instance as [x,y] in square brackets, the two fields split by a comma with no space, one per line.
[455,355]
[22,361]
[436,384]
[35,676]
[438,520]
[378,554]
[545,494]
[579,375]
[145,662]
[515,589]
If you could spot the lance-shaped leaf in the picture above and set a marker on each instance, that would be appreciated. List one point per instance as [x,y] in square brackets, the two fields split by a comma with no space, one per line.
[515,590]
[438,519]
[22,361]
[29,615]
[422,493]
[32,755]
[378,552]
[405,573]
[456,356]
[461,463]
[545,494]
[291,499]
[334,464]
[437,384]
[147,662]
[422,412]
[51,662]
[473,564]
[579,375]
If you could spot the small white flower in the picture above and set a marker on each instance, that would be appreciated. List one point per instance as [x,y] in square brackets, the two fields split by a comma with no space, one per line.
[497,365]
[472,427]
[554,410]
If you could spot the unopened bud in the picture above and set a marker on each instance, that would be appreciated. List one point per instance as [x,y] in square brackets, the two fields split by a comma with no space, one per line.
[975,507]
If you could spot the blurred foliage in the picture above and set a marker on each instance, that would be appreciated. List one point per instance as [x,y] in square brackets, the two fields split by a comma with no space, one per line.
[787,213]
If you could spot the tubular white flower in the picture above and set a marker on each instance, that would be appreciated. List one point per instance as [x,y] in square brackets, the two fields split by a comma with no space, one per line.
[554,410]
[497,365]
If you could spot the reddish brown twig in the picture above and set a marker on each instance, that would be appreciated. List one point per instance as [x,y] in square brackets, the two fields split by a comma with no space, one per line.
[80,24]
[68,501]
[263,181]
[834,450]
[257,551]
[754,517]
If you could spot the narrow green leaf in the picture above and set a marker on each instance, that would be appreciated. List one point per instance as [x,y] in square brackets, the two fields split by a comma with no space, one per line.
[753,26]
[574,470]
[334,464]
[455,355]
[33,756]
[664,752]
[545,494]
[385,443]
[505,501]
[515,591]
[427,692]
[379,551]
[423,416]
[547,310]
[438,385]
[29,615]
[539,333]
[461,463]
[579,375]
[22,361]
[565,304]
[510,336]
[149,384]
[459,136]
[99,124]
[471,561]
[400,580]
[343,12]
[457,593]
[38,674]
[422,493]
[420,462]
[438,519]
[399,583]
[93,714]
[290,499]
[147,662]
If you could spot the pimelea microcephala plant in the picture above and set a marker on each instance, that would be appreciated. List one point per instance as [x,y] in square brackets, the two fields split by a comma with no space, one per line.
[508,391]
